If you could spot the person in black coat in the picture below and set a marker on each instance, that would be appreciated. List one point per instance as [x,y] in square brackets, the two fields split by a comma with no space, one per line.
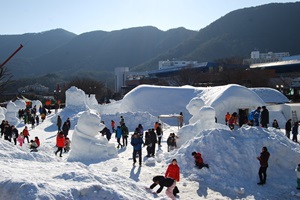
[263,160]
[153,139]
[14,134]
[288,128]
[264,117]
[159,134]
[164,182]
[295,132]
[65,128]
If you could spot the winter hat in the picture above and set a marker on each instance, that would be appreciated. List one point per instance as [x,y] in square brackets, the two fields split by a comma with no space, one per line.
[194,153]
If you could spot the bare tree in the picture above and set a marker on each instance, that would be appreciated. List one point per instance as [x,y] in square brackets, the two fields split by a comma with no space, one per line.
[90,86]
[186,76]
[5,79]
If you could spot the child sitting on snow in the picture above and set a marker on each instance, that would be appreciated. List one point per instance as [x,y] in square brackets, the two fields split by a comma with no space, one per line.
[33,146]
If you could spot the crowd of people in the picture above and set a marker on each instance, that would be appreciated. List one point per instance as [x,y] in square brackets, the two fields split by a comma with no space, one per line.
[260,117]
[152,138]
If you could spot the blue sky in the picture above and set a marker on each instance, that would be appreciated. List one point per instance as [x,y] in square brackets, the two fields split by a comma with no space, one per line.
[79,16]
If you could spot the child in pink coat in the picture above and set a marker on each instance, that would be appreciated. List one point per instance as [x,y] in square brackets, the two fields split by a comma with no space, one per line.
[20,139]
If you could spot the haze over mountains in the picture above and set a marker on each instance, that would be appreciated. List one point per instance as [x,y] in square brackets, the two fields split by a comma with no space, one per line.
[272,27]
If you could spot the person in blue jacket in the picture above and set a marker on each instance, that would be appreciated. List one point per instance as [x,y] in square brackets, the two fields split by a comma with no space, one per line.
[118,136]
[137,143]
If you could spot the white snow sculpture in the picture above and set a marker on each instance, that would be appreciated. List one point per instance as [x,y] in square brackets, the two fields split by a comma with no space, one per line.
[11,113]
[20,103]
[88,146]
[76,99]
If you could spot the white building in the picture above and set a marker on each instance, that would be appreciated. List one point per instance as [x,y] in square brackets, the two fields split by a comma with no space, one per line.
[175,63]
[120,78]
[257,57]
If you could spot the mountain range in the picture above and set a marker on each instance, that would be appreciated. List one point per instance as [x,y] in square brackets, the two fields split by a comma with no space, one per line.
[272,27]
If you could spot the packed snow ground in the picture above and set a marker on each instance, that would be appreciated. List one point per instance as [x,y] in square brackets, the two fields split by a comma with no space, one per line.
[230,154]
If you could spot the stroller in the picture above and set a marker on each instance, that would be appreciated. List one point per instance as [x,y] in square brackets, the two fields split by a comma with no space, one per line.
[171,142]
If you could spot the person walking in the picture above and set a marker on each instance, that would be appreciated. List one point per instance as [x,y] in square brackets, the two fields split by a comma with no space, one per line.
[58,123]
[264,117]
[26,133]
[263,160]
[65,128]
[118,136]
[173,171]
[21,139]
[159,134]
[137,142]
[60,143]
[14,134]
[288,128]
[153,141]
[125,133]
[295,132]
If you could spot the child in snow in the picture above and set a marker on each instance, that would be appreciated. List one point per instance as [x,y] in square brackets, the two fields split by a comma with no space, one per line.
[199,161]
[298,176]
[164,182]
[67,145]
[26,133]
[33,146]
[173,171]
[21,139]
[37,141]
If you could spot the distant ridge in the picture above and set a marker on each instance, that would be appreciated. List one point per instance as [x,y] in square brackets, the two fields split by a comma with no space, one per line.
[272,27]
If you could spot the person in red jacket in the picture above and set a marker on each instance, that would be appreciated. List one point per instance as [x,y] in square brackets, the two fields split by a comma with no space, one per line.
[60,143]
[173,171]
[199,161]
[37,141]
[26,133]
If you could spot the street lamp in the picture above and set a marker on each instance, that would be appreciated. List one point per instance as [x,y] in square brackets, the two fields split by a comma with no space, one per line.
[56,94]
[280,88]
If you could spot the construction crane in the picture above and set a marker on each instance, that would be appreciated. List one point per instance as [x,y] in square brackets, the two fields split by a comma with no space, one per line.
[16,51]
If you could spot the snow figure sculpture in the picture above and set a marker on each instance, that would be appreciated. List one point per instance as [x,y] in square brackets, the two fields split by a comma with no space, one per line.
[75,99]
[2,114]
[92,101]
[11,113]
[88,145]
[20,103]
[37,104]
[193,107]
[207,119]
